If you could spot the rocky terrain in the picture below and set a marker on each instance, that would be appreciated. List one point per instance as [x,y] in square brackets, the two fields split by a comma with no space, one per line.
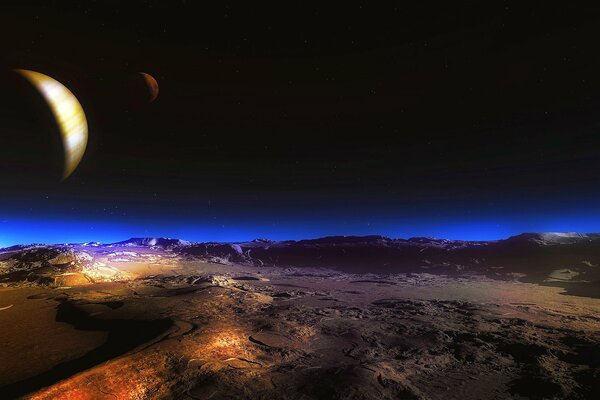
[332,318]
[536,255]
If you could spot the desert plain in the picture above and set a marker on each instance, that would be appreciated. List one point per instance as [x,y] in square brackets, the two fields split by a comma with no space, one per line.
[152,320]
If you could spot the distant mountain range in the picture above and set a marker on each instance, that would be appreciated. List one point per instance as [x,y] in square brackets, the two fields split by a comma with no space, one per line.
[533,254]
[550,257]
[158,242]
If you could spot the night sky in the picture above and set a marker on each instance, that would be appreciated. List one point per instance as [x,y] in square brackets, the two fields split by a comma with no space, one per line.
[473,120]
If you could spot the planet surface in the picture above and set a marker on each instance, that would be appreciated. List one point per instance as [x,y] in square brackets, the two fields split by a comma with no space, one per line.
[152,85]
[331,318]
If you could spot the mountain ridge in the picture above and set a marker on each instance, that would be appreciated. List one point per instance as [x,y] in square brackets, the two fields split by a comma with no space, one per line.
[541,257]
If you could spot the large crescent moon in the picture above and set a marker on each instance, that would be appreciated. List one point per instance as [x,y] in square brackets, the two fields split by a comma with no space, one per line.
[69,116]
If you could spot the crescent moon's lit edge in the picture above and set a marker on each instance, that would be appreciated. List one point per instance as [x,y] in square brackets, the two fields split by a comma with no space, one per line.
[68,113]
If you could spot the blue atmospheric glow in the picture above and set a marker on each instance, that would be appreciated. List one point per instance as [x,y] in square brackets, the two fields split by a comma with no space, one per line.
[468,226]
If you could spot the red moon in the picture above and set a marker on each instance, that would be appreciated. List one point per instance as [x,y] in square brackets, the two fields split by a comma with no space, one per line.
[152,85]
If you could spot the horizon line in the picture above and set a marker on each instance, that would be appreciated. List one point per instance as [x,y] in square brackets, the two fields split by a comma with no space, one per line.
[294,240]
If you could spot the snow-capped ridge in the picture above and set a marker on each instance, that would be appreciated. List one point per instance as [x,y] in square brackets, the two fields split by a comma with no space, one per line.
[151,242]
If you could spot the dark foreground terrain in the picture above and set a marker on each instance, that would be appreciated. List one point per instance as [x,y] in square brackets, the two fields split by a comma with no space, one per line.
[333,318]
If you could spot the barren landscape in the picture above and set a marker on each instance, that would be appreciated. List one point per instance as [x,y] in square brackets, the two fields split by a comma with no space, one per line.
[332,318]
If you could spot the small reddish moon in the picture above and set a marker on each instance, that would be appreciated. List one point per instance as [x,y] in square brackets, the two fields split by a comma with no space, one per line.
[152,85]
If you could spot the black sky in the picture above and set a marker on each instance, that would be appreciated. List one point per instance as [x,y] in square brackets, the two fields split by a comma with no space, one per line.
[294,107]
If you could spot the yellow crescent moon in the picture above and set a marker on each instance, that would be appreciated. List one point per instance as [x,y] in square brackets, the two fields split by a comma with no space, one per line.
[69,116]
